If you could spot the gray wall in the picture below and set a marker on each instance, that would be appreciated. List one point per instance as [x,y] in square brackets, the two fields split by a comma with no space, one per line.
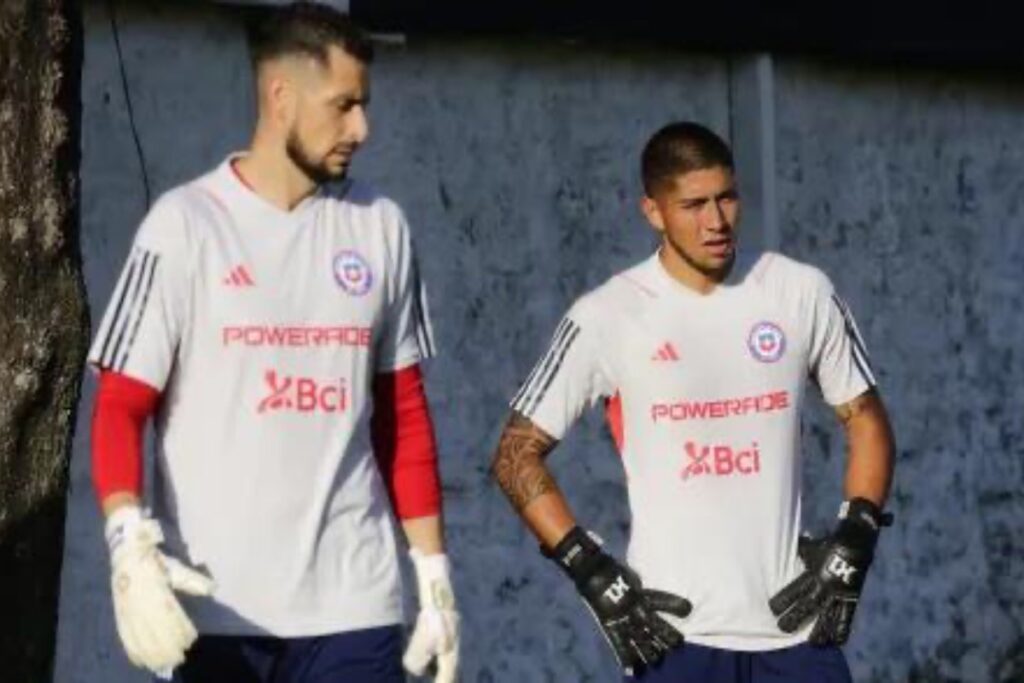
[517,166]
[908,189]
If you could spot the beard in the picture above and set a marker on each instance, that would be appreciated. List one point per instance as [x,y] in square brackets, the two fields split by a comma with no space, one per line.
[714,273]
[316,170]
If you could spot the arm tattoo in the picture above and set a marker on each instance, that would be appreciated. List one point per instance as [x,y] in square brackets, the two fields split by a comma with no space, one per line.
[866,402]
[519,463]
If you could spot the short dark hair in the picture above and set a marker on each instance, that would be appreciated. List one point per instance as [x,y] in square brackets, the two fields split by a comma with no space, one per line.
[305,28]
[679,148]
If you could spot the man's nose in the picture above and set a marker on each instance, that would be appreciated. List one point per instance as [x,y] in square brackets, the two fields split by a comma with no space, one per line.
[358,125]
[714,217]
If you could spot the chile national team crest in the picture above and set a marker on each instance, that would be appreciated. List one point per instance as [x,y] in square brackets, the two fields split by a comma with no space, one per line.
[352,272]
[766,342]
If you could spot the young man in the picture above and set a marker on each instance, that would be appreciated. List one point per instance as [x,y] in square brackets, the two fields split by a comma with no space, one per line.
[270,317]
[700,356]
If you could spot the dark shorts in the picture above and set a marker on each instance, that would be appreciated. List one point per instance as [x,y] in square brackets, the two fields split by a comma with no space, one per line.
[799,664]
[370,656]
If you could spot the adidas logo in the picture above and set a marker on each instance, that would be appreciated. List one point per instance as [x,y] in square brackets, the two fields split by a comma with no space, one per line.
[666,352]
[239,277]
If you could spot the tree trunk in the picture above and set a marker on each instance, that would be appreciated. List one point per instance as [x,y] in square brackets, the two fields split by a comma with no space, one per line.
[44,321]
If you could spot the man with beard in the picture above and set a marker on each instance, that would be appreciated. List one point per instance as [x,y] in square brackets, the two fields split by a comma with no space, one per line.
[270,318]
[701,355]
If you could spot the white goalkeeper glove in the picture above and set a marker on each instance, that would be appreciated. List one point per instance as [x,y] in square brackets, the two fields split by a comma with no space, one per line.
[436,634]
[153,628]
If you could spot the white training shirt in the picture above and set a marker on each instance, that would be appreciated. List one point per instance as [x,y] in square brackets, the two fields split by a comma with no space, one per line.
[263,330]
[708,390]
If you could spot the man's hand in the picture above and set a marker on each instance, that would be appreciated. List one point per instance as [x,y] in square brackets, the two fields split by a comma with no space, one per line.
[625,611]
[836,566]
[154,629]
[436,634]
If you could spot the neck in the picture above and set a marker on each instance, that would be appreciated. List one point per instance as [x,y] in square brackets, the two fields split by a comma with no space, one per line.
[271,174]
[688,274]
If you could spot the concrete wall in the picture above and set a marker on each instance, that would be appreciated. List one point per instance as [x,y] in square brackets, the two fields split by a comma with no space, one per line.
[516,163]
[907,188]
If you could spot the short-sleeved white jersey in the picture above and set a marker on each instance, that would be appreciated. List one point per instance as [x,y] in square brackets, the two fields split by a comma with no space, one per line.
[704,396]
[263,330]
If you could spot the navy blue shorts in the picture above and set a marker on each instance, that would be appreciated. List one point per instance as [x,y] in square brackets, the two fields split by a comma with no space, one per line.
[368,656]
[798,664]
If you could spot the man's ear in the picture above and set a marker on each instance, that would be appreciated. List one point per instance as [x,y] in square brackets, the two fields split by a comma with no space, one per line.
[652,213]
[279,94]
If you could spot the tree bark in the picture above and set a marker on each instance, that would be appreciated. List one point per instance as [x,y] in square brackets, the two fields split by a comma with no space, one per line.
[44,323]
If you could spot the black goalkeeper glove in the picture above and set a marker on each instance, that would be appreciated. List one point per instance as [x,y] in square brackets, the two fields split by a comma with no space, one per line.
[625,611]
[836,566]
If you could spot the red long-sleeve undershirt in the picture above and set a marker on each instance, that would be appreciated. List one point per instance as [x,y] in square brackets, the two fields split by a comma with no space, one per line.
[119,415]
[401,431]
[403,441]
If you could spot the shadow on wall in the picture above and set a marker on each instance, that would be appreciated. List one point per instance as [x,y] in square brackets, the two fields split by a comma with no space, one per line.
[30,561]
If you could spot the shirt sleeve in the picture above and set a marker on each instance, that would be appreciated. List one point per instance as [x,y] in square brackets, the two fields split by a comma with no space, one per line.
[407,337]
[839,361]
[120,411]
[404,443]
[568,378]
[140,330]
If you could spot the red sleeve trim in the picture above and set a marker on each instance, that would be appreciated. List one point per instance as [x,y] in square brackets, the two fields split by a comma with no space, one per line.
[404,443]
[122,406]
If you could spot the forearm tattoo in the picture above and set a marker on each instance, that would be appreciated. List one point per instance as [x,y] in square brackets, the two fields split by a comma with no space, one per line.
[866,402]
[519,462]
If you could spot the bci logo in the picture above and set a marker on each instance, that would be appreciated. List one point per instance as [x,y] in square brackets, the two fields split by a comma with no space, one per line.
[303,395]
[720,461]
